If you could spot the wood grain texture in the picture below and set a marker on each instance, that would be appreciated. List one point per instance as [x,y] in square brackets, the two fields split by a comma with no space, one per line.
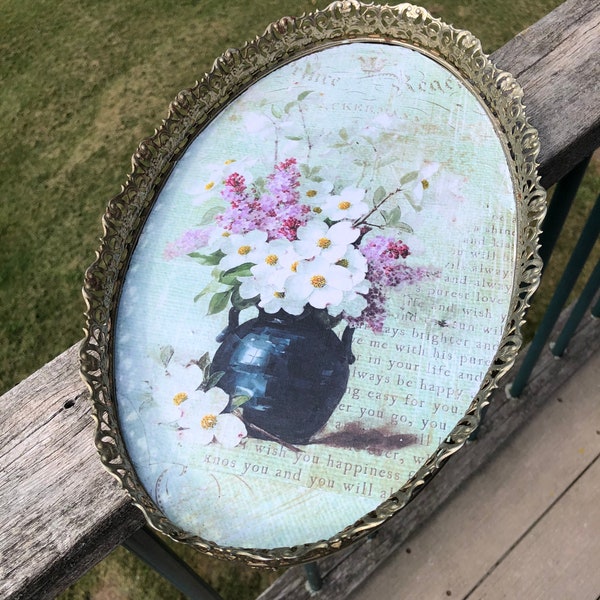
[60,512]
[556,62]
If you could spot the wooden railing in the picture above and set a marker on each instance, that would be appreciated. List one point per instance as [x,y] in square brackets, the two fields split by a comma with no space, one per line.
[61,513]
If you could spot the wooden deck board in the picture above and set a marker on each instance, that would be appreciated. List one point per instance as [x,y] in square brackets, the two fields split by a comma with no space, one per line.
[558,558]
[526,526]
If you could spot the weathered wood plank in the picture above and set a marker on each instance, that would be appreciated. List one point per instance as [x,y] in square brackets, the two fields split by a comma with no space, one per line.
[556,62]
[60,512]
[474,536]
[343,574]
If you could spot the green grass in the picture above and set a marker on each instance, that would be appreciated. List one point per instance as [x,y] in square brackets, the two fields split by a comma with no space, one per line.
[81,83]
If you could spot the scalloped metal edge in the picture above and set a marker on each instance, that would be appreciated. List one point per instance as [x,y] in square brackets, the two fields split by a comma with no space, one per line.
[283,41]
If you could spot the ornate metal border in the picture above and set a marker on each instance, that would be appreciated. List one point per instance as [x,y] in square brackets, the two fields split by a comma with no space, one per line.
[286,40]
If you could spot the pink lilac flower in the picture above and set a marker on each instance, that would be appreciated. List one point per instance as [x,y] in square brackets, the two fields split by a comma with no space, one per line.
[374,314]
[278,211]
[189,242]
[382,254]
[385,269]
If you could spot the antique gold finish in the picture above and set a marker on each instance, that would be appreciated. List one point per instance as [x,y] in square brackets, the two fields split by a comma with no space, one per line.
[288,39]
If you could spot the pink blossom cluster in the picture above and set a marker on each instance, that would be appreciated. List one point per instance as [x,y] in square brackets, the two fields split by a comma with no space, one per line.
[385,269]
[277,211]
[189,242]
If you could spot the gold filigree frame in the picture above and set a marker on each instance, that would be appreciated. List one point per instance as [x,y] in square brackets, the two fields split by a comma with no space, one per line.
[284,41]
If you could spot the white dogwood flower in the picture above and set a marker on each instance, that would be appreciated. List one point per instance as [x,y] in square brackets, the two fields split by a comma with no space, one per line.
[316,238]
[240,248]
[348,204]
[319,283]
[206,421]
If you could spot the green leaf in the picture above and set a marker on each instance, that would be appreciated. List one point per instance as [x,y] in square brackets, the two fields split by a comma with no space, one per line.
[218,302]
[294,138]
[344,134]
[303,95]
[207,259]
[379,194]
[393,217]
[408,177]
[209,216]
[230,276]
[289,106]
[206,290]
[405,227]
[411,201]
[259,185]
[276,112]
[238,401]
[204,361]
[304,169]
[240,303]
[166,353]
[212,380]
[210,209]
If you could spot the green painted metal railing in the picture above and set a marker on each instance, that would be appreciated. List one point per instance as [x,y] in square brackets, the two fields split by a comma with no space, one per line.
[583,248]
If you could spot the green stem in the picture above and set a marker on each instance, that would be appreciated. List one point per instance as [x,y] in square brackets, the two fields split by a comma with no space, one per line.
[375,208]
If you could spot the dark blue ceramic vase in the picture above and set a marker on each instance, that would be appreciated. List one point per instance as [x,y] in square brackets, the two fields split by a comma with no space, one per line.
[294,369]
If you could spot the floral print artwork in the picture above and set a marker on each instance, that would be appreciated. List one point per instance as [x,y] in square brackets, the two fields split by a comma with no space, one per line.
[341,235]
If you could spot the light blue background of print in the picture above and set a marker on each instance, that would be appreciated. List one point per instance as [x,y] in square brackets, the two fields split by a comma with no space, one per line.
[359,89]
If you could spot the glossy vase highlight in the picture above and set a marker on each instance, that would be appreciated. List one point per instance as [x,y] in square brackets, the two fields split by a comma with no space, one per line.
[293,369]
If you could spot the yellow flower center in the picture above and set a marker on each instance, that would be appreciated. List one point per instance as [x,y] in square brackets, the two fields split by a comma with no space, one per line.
[324,243]
[344,205]
[294,266]
[179,398]
[229,161]
[311,193]
[317,210]
[208,421]
[209,186]
[244,250]
[425,183]
[226,234]
[272,259]
[279,294]
[343,262]
[318,281]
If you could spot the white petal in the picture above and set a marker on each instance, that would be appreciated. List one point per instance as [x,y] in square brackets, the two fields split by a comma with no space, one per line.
[202,436]
[321,297]
[343,233]
[229,430]
[214,401]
